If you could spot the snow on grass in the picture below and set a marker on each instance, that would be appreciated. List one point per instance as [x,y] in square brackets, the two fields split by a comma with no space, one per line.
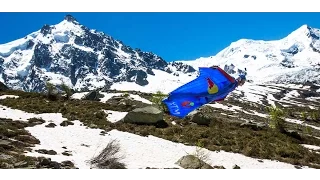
[301,122]
[108,96]
[79,95]
[139,152]
[271,100]
[233,108]
[79,141]
[115,116]
[251,92]
[252,97]
[221,106]
[256,93]
[312,147]
[256,113]
[138,98]
[261,115]
[315,99]
[8,96]
[291,86]
[291,94]
[14,114]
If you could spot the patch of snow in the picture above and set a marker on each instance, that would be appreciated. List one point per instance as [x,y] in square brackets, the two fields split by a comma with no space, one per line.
[8,96]
[85,143]
[79,95]
[301,122]
[138,98]
[115,116]
[312,147]
[221,106]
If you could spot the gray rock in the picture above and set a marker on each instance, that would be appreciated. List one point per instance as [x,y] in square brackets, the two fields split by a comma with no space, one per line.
[145,115]
[192,162]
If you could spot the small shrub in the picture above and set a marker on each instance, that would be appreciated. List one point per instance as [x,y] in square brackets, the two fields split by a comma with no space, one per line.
[100,115]
[50,92]
[304,116]
[50,88]
[157,99]
[315,116]
[276,118]
[108,157]
[200,153]
[307,130]
[67,90]
[290,113]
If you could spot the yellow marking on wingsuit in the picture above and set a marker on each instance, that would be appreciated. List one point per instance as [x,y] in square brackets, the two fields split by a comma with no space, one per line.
[213,89]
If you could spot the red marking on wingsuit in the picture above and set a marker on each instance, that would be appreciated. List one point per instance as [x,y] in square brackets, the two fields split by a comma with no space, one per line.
[231,79]
[187,103]
[210,82]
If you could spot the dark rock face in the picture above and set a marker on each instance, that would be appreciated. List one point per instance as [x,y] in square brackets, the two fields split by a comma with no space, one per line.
[86,58]
[3,87]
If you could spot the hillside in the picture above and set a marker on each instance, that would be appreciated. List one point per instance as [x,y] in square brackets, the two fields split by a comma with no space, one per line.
[42,132]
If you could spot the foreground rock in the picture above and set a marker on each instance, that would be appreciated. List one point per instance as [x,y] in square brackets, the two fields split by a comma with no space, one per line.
[254,125]
[192,162]
[125,103]
[145,115]
[93,96]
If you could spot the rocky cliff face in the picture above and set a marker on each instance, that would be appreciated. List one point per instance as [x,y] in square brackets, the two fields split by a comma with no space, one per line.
[80,57]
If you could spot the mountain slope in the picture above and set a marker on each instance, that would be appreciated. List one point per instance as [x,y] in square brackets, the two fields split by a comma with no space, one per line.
[293,59]
[82,58]
[284,72]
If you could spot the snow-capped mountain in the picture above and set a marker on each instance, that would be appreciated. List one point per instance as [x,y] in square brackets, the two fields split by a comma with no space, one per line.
[82,58]
[86,59]
[293,59]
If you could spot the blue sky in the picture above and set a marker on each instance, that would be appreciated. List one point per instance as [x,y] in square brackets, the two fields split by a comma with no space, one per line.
[173,36]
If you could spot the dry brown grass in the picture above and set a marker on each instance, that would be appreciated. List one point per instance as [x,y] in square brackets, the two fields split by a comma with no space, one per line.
[221,134]
[109,158]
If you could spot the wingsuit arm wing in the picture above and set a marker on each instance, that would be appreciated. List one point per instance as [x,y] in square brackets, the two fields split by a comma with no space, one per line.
[230,78]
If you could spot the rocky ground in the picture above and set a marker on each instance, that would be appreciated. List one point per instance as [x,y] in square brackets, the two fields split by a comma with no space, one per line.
[235,125]
[15,141]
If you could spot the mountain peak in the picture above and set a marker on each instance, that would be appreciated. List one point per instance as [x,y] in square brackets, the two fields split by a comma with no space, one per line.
[81,57]
[302,31]
[303,28]
[70,18]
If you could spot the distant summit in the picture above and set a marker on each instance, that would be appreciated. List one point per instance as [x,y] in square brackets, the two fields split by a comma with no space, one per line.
[84,59]
[292,59]
[70,18]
